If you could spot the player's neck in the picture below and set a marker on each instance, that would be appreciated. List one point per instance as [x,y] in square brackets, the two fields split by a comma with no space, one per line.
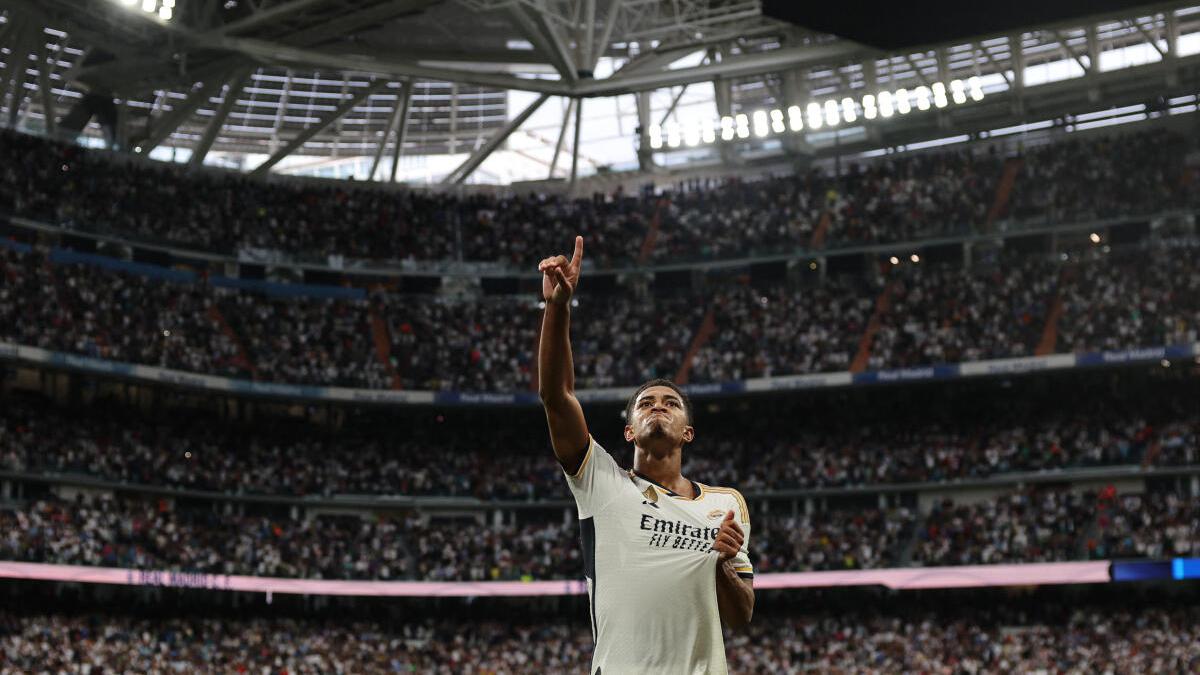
[664,469]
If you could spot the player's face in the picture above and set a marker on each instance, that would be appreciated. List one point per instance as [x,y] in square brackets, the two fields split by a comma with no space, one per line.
[658,413]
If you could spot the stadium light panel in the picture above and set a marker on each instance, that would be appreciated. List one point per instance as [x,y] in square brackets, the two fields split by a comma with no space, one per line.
[958,92]
[939,95]
[795,118]
[164,13]
[902,105]
[149,6]
[922,94]
[691,134]
[727,128]
[707,133]
[868,104]
[976,89]
[674,137]
[885,103]
[743,126]
[777,125]
[848,112]
[760,123]
[814,115]
[128,3]
[831,113]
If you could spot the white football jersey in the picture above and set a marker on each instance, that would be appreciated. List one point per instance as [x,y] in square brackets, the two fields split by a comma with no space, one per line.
[651,570]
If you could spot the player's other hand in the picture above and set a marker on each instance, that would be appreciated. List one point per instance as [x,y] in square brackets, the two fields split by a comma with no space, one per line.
[729,538]
[560,276]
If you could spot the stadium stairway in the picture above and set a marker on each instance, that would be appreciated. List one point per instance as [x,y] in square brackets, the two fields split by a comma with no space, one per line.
[243,359]
[1012,169]
[882,304]
[382,338]
[703,334]
[651,237]
[818,239]
[1049,342]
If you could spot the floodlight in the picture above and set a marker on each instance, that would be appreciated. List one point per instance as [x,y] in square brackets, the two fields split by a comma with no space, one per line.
[814,115]
[760,123]
[915,258]
[939,95]
[922,93]
[902,105]
[868,104]
[149,5]
[743,126]
[1095,238]
[894,260]
[831,113]
[885,103]
[164,13]
[727,128]
[958,92]
[795,118]
[976,89]
[129,3]
[707,133]
[777,125]
[691,134]
[848,112]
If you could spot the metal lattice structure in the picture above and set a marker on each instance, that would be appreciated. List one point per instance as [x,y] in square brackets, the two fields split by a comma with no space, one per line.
[379,77]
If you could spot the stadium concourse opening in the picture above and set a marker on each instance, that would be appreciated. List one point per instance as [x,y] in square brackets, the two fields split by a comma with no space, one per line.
[605,337]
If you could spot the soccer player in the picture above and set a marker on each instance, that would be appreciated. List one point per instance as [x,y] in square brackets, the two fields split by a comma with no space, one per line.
[665,558]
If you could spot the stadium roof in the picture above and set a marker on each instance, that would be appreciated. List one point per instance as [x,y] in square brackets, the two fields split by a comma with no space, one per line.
[273,78]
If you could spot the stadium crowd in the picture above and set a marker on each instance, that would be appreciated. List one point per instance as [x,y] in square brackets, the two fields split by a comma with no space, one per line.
[885,199]
[280,457]
[927,315]
[1022,526]
[1027,525]
[1088,639]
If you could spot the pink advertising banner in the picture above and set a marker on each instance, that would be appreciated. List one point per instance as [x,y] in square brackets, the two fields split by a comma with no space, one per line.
[967,576]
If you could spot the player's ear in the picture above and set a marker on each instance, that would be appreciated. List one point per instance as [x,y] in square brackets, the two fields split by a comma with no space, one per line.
[688,434]
[628,433]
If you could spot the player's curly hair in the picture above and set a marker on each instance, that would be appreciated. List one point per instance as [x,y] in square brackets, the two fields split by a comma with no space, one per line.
[659,382]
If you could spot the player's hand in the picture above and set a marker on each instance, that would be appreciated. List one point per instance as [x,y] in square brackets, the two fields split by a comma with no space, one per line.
[560,276]
[729,538]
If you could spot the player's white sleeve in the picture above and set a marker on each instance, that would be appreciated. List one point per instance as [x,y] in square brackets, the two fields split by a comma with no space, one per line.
[741,561]
[597,481]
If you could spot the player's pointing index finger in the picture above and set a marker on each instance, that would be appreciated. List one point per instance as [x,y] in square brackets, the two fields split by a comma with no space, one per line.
[577,257]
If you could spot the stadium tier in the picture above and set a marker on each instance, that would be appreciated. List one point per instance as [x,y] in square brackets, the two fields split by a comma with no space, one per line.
[973,632]
[925,315]
[877,348]
[883,200]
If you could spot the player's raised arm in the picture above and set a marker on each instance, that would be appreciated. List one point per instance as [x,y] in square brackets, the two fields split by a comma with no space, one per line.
[556,369]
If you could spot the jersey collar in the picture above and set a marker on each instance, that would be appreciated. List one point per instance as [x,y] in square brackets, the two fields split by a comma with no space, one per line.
[670,493]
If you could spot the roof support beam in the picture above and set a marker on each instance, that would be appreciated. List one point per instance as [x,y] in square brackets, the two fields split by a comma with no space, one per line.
[402,128]
[535,27]
[170,121]
[562,135]
[267,15]
[214,125]
[460,174]
[674,104]
[45,84]
[304,136]
[575,148]
[387,131]
[730,67]
[1152,39]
